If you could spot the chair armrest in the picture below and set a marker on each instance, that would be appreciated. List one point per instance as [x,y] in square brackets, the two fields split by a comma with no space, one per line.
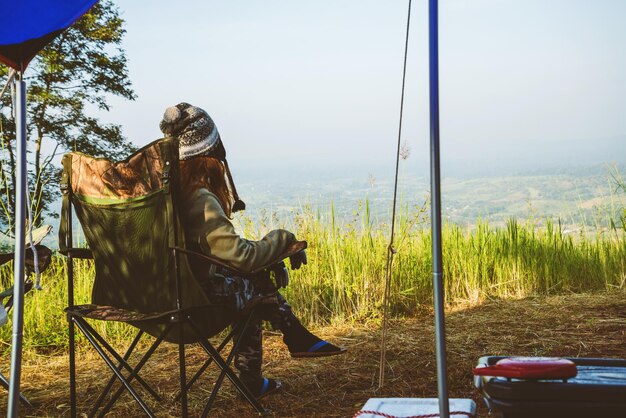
[44,257]
[8,295]
[295,248]
[207,259]
[5,258]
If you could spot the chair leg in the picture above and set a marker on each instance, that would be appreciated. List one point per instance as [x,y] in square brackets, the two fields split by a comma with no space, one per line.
[122,362]
[243,389]
[136,370]
[109,385]
[220,379]
[5,383]
[85,330]
[112,379]
[207,363]
[72,340]
[181,364]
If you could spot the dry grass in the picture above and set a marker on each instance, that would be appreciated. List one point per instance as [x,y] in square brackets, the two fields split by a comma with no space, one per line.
[591,325]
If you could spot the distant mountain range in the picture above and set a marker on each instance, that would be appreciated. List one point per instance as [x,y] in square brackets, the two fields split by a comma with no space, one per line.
[568,180]
[489,158]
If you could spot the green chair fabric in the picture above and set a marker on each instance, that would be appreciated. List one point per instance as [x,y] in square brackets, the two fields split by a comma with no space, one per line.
[127,213]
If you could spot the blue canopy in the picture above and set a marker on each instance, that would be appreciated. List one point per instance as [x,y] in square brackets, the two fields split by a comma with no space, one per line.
[26,26]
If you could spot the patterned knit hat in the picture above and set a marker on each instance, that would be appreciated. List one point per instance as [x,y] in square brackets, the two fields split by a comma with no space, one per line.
[197,136]
[196,131]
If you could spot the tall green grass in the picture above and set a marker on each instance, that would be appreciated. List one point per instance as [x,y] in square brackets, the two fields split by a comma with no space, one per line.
[344,279]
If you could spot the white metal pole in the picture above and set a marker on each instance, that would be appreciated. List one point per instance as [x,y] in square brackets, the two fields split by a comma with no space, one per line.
[20,237]
[435,196]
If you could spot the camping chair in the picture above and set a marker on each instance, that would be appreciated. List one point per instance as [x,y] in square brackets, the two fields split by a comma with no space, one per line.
[44,256]
[129,216]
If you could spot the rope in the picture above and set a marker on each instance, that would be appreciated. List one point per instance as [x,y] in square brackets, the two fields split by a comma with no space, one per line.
[11,74]
[391,251]
[30,238]
[435,415]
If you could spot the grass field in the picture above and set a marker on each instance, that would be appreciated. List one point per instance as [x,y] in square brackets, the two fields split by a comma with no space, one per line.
[528,288]
[344,280]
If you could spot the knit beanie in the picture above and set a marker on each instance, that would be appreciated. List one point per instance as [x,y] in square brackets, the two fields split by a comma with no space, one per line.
[196,132]
[197,136]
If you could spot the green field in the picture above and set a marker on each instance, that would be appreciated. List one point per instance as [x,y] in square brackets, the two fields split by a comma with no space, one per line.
[584,196]
[344,280]
[512,253]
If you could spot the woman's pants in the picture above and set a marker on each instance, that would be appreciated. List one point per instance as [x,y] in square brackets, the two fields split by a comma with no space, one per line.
[249,356]
[239,292]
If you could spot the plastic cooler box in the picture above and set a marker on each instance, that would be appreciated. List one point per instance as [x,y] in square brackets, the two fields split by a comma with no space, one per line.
[597,388]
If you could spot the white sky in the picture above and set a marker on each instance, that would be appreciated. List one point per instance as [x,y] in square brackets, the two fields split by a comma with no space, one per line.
[318,82]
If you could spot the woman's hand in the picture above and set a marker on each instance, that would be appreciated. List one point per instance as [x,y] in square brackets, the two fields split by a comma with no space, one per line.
[298,259]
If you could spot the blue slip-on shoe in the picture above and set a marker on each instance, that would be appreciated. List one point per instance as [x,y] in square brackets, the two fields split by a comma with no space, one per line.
[320,349]
[263,387]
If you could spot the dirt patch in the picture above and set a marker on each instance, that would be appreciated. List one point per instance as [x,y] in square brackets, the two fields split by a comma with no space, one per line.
[575,326]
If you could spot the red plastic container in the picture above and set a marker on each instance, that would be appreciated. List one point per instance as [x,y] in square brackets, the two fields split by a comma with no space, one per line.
[530,368]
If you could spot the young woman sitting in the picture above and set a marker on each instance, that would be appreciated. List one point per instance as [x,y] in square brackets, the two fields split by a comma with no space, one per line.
[208,198]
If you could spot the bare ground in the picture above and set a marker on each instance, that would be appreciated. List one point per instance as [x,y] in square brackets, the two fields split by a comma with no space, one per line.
[591,325]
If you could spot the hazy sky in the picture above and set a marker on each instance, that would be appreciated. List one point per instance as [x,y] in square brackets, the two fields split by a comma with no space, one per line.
[319,81]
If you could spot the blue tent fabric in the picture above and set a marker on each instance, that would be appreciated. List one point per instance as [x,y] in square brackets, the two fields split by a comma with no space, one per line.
[26,26]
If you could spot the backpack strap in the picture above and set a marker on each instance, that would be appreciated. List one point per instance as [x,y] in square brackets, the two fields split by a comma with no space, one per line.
[66,191]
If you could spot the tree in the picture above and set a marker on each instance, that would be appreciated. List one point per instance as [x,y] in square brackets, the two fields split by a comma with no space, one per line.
[79,70]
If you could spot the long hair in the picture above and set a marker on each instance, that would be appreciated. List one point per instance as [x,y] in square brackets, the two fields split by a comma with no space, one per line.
[209,173]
